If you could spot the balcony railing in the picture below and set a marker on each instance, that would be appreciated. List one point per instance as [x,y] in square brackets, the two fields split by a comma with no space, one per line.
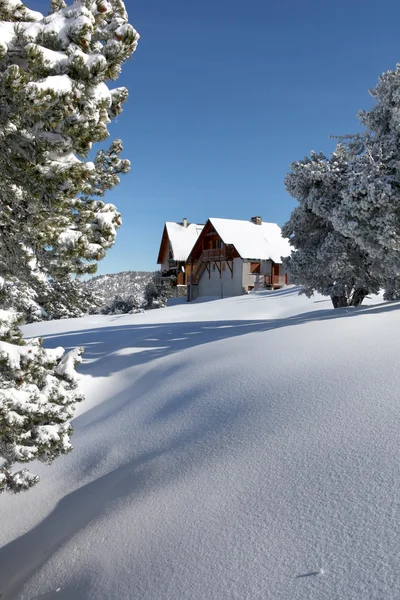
[275,280]
[217,254]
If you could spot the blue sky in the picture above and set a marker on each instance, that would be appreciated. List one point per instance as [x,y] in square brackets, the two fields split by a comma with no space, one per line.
[224,95]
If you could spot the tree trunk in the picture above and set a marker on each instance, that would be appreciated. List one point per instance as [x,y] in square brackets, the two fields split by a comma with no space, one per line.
[339,301]
[358,296]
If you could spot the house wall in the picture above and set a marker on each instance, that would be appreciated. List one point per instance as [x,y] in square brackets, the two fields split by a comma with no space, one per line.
[180,266]
[255,280]
[266,267]
[224,286]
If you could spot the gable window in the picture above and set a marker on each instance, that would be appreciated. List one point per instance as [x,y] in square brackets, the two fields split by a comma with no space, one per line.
[216,244]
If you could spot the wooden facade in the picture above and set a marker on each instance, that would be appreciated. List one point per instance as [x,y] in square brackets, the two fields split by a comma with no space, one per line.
[208,249]
[210,253]
[208,265]
[172,272]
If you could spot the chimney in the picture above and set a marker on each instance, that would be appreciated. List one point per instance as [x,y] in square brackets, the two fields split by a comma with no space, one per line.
[184,223]
[256,220]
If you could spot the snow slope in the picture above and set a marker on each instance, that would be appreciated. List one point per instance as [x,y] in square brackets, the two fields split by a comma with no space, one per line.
[227,450]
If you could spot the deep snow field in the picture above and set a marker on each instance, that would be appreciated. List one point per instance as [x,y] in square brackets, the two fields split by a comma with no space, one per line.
[246,448]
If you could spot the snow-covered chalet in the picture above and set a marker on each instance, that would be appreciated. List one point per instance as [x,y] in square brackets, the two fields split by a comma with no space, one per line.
[230,257]
[176,243]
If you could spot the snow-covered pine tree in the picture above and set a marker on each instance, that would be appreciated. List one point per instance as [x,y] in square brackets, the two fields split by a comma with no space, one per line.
[326,262]
[55,105]
[38,393]
[361,202]
[369,208]
[68,299]
[324,259]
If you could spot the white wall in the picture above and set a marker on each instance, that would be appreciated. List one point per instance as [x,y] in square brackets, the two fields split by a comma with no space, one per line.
[254,280]
[266,267]
[224,286]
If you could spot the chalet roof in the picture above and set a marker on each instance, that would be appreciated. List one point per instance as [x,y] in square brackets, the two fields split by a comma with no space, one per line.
[182,238]
[260,242]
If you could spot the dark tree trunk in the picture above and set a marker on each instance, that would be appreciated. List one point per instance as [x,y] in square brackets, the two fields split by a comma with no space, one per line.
[339,301]
[358,296]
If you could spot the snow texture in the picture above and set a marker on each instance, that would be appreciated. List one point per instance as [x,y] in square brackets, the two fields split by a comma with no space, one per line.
[66,367]
[261,242]
[245,449]
[59,84]
[182,238]
[7,317]
[14,354]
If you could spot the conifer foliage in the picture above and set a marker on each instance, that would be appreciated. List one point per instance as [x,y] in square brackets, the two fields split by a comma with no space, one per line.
[54,224]
[325,259]
[346,229]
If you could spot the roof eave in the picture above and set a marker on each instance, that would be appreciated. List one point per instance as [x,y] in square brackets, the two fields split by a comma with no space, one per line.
[165,234]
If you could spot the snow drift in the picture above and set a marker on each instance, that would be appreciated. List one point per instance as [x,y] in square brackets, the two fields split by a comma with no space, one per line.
[245,448]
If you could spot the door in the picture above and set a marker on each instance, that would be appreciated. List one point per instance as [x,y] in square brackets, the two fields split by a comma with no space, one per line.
[275,274]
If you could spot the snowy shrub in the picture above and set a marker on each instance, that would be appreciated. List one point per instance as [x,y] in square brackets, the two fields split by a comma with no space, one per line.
[121,306]
[156,296]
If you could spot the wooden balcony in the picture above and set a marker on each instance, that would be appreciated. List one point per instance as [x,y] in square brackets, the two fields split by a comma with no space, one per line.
[275,280]
[225,253]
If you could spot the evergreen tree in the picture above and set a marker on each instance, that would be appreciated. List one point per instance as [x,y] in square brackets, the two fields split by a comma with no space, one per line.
[327,262]
[369,210]
[53,223]
[156,296]
[68,299]
[38,393]
[324,259]
[356,193]
[55,105]
[121,306]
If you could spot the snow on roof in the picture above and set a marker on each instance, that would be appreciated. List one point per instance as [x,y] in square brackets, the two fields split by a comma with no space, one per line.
[261,242]
[182,238]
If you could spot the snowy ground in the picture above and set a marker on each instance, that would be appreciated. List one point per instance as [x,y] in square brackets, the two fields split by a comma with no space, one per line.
[226,450]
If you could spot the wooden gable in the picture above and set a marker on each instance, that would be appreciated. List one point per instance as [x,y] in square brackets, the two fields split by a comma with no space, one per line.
[164,246]
[207,241]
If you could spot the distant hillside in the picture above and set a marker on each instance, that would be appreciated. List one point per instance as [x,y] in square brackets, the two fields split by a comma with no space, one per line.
[128,284]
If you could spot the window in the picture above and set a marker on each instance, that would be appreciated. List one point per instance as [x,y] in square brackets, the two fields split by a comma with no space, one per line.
[255,267]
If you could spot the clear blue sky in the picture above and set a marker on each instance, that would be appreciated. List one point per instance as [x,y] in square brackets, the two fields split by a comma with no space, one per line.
[225,94]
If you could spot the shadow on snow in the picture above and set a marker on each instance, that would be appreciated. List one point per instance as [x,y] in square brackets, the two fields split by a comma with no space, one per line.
[131,482]
[112,349]
[142,474]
